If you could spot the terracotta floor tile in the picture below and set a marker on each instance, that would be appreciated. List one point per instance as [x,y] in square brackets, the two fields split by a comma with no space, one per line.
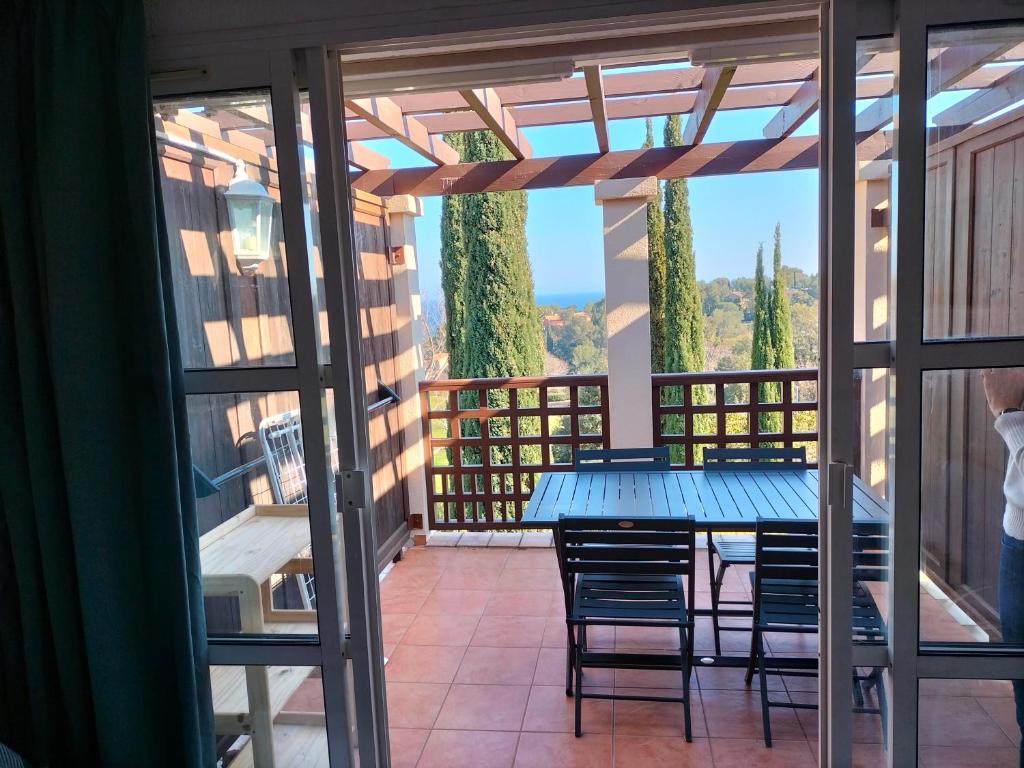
[867,728]
[469,749]
[651,678]
[732,642]
[529,603]
[414,705]
[657,718]
[752,753]
[563,750]
[468,578]
[550,710]
[597,637]
[424,663]
[394,625]
[968,757]
[532,558]
[440,630]
[483,664]
[510,631]
[406,746]
[647,637]
[1004,712]
[525,579]
[412,580]
[864,755]
[731,713]
[648,752]
[455,602]
[398,600]
[732,679]
[484,707]
[957,722]
[551,671]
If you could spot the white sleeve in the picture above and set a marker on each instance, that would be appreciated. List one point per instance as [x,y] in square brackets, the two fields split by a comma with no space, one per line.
[1011,427]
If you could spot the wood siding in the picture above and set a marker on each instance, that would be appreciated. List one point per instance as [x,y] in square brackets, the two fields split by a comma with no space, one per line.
[974,272]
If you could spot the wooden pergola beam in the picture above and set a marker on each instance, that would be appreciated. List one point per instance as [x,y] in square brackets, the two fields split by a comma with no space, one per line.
[1004,92]
[803,104]
[574,170]
[364,158]
[387,116]
[875,116]
[712,89]
[598,109]
[959,62]
[496,116]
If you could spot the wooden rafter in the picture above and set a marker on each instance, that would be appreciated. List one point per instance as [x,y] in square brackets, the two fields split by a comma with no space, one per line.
[959,62]
[487,105]
[598,109]
[875,116]
[387,116]
[713,86]
[803,104]
[1004,92]
[361,156]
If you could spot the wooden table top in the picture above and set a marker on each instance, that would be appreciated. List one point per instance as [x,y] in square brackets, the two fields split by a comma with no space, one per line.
[256,543]
[721,501]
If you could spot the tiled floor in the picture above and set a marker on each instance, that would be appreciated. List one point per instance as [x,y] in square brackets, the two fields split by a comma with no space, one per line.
[476,639]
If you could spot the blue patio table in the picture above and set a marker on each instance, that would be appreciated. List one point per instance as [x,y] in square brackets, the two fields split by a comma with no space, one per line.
[718,501]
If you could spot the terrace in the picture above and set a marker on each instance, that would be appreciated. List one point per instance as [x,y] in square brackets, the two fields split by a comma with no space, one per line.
[471,615]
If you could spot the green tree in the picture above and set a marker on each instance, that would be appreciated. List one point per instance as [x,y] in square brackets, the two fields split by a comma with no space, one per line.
[782,321]
[762,354]
[684,316]
[656,262]
[502,323]
[454,262]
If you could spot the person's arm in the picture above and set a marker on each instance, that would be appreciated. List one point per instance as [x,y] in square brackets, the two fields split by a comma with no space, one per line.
[1004,388]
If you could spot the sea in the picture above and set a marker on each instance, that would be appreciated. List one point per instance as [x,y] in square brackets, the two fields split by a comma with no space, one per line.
[578,299]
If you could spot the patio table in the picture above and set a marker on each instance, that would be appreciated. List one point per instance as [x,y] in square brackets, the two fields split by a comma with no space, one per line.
[729,501]
[718,501]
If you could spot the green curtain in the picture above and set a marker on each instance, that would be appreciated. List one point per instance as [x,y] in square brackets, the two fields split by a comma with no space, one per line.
[102,633]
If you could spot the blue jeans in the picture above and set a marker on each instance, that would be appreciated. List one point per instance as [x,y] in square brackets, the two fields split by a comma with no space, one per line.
[1011,610]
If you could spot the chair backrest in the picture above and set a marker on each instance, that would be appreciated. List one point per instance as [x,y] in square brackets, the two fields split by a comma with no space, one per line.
[745,459]
[870,550]
[623,460]
[612,546]
[281,438]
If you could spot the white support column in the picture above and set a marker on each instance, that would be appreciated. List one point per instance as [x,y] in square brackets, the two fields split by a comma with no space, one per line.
[402,212]
[627,295]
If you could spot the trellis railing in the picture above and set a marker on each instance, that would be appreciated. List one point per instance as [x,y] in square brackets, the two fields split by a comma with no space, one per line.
[740,409]
[488,440]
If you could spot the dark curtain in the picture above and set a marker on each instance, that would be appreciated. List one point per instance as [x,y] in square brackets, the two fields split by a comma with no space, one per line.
[102,634]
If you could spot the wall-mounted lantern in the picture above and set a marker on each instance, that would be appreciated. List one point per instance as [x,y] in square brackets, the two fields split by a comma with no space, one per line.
[251,216]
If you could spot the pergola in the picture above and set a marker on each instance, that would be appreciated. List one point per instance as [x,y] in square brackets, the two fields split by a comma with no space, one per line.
[698,92]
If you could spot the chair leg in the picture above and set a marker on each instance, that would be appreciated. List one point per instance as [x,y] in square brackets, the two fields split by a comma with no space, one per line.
[578,659]
[570,649]
[714,595]
[763,680]
[685,661]
[755,635]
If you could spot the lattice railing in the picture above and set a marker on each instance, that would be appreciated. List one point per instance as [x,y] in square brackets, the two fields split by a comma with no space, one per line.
[488,440]
[741,409]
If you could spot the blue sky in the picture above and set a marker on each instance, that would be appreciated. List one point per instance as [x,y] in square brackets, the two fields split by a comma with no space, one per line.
[731,214]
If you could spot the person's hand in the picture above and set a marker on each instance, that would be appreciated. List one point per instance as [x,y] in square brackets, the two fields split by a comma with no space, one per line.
[1004,388]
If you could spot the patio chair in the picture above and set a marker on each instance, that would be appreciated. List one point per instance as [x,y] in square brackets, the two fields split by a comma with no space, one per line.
[735,550]
[280,436]
[785,584]
[623,460]
[626,572]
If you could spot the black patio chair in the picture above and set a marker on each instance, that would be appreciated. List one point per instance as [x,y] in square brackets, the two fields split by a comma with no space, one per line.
[623,572]
[733,550]
[623,460]
[785,584]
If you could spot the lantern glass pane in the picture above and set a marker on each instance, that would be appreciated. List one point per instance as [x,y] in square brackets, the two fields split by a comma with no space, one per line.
[245,234]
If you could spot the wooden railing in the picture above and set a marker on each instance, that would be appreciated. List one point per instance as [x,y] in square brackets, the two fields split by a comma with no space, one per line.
[488,440]
[741,409]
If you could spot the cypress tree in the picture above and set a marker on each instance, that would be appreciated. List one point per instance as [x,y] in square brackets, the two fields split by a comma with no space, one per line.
[454,262]
[762,355]
[782,322]
[656,264]
[684,315]
[502,328]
